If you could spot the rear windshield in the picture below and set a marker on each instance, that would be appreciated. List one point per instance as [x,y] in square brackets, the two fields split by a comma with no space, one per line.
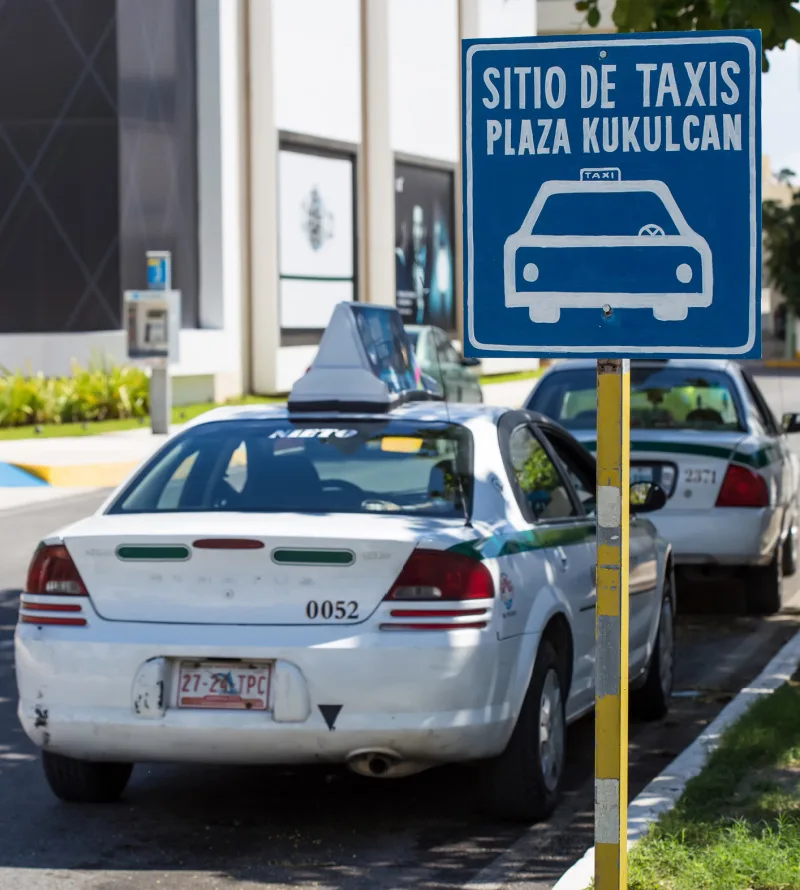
[661,398]
[276,466]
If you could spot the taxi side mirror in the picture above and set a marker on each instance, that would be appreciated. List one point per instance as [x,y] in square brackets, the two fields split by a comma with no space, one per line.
[791,423]
[647,497]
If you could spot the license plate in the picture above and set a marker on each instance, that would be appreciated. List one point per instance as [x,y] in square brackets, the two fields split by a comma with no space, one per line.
[224,686]
[641,474]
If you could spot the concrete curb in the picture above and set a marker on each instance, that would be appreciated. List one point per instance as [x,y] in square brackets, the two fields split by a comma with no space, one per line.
[663,792]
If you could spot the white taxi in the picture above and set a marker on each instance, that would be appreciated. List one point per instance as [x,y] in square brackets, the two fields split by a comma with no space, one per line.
[703,431]
[387,583]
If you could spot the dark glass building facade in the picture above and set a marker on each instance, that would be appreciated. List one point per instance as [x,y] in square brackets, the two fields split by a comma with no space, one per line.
[98,158]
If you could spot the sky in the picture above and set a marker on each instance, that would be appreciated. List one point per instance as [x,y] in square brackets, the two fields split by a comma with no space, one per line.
[781,109]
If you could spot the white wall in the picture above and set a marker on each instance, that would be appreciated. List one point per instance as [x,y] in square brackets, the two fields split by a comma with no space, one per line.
[561,17]
[317,61]
[780,113]
[423,77]
[507,18]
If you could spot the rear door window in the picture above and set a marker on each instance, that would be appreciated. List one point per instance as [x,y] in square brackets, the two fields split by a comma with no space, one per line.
[269,466]
[544,494]
[579,466]
[760,406]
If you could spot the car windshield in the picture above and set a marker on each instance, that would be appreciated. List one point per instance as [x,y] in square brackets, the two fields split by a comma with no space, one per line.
[335,466]
[661,398]
[605,213]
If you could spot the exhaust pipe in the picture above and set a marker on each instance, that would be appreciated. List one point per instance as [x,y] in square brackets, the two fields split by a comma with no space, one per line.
[382,764]
[378,765]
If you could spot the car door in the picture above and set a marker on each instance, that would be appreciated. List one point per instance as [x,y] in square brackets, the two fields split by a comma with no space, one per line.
[566,535]
[643,575]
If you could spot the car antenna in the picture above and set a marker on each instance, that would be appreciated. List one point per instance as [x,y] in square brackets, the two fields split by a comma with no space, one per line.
[456,474]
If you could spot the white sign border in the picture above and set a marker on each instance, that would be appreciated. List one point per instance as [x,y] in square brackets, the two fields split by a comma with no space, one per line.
[613,350]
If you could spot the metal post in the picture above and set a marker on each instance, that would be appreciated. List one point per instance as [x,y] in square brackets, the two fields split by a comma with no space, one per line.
[611,666]
[160,399]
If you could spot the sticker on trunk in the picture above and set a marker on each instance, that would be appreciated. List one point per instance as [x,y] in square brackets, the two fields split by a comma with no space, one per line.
[700,477]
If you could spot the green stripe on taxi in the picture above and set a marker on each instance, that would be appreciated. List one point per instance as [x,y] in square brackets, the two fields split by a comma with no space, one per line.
[494,546]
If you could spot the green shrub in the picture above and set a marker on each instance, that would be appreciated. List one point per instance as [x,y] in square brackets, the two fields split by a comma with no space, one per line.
[101,392]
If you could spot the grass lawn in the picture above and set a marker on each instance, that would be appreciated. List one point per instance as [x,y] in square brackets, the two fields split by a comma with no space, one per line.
[180,414]
[737,825]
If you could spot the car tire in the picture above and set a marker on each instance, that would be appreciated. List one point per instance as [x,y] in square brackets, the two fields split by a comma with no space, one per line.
[523,784]
[789,553]
[764,586]
[651,701]
[80,781]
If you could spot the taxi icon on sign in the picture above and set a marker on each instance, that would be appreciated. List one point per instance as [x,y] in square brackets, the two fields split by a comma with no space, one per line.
[601,241]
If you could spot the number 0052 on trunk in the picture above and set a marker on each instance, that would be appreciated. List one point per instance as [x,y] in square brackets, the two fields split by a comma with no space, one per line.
[224,686]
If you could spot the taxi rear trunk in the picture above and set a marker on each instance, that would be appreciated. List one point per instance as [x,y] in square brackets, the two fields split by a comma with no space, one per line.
[690,465]
[279,569]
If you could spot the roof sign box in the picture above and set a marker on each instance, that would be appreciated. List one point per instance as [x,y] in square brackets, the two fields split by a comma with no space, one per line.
[599,174]
[612,195]
[365,363]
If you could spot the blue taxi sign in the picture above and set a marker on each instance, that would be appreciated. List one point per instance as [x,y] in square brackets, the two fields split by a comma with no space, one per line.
[365,363]
[612,196]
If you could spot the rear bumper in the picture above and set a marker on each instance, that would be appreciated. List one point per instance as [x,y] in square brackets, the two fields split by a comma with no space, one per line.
[426,700]
[425,738]
[730,536]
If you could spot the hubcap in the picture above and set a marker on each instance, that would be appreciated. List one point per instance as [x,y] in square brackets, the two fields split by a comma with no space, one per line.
[666,642]
[551,731]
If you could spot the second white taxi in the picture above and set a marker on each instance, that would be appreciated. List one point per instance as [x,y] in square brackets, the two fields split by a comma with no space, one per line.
[704,432]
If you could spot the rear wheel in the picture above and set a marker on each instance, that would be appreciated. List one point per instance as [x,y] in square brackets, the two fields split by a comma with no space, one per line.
[651,701]
[764,586]
[524,782]
[80,781]
[789,554]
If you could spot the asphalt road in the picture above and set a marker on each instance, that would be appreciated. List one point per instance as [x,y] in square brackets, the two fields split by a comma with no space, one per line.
[213,827]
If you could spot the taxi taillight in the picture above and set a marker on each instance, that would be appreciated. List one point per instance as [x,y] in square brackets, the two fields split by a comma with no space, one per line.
[53,578]
[743,487]
[431,577]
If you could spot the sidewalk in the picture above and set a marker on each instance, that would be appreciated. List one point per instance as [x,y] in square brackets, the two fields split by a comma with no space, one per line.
[89,461]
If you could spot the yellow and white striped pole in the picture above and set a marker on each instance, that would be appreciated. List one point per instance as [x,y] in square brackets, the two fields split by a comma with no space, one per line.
[611,665]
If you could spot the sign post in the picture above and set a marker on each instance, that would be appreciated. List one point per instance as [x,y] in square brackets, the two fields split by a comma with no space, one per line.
[159,278]
[153,325]
[611,657]
[612,210]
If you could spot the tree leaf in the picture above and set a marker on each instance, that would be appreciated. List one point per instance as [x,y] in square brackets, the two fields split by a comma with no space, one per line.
[593,18]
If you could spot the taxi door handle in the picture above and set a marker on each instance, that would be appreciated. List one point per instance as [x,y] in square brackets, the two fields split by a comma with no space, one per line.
[563,558]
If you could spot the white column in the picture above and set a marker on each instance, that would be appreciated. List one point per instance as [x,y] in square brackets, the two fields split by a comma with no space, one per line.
[468,25]
[264,319]
[377,266]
